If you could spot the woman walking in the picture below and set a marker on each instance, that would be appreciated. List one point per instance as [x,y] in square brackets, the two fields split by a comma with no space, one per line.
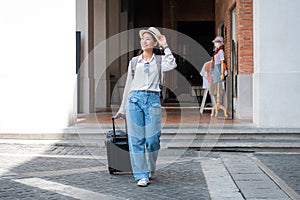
[141,103]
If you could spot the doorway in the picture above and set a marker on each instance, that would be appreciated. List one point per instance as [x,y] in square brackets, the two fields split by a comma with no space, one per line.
[203,33]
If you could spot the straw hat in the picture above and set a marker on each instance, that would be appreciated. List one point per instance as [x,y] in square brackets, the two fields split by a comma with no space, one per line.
[153,31]
[218,39]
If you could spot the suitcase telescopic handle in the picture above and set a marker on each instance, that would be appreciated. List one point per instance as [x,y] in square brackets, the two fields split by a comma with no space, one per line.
[114,127]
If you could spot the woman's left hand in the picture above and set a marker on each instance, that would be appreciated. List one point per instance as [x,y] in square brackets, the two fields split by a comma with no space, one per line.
[162,40]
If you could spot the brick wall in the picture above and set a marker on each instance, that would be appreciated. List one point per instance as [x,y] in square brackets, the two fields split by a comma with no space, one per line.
[245,35]
[244,18]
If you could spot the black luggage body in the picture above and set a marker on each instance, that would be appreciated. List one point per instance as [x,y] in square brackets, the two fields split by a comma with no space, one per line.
[117,150]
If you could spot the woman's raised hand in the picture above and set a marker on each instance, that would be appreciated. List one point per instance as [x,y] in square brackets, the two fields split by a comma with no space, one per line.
[162,40]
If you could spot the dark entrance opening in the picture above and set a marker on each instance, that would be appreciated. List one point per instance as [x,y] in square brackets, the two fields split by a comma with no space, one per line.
[203,32]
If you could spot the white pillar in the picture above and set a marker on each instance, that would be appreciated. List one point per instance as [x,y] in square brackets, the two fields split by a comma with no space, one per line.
[82,25]
[37,78]
[100,23]
[276,78]
[244,104]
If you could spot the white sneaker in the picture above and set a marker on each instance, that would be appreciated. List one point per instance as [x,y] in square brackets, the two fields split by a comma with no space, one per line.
[143,182]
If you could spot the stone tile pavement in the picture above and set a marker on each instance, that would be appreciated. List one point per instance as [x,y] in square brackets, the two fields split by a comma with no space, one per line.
[49,171]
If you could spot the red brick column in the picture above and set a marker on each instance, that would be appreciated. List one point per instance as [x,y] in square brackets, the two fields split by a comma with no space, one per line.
[245,35]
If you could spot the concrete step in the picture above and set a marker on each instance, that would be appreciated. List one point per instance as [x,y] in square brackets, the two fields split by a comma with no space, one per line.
[216,137]
[225,145]
[168,135]
[201,145]
[233,145]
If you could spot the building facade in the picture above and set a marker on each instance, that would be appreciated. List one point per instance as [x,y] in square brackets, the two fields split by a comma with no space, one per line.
[43,92]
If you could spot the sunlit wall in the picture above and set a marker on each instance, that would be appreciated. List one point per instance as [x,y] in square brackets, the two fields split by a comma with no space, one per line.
[276,78]
[37,77]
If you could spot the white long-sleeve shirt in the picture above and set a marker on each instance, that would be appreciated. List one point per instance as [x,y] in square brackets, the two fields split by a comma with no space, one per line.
[146,81]
[203,73]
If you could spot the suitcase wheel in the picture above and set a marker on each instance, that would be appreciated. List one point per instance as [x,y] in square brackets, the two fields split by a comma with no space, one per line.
[111,170]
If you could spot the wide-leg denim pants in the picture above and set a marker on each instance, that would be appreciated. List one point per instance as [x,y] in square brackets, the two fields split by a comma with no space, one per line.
[143,116]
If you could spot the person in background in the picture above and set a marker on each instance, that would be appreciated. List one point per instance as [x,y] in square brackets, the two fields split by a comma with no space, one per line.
[217,70]
[141,103]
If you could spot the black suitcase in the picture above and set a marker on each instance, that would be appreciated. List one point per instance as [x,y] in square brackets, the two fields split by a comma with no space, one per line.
[117,149]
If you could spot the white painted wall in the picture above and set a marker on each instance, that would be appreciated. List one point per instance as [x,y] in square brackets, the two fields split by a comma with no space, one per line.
[92,96]
[37,78]
[244,104]
[100,85]
[83,79]
[276,78]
